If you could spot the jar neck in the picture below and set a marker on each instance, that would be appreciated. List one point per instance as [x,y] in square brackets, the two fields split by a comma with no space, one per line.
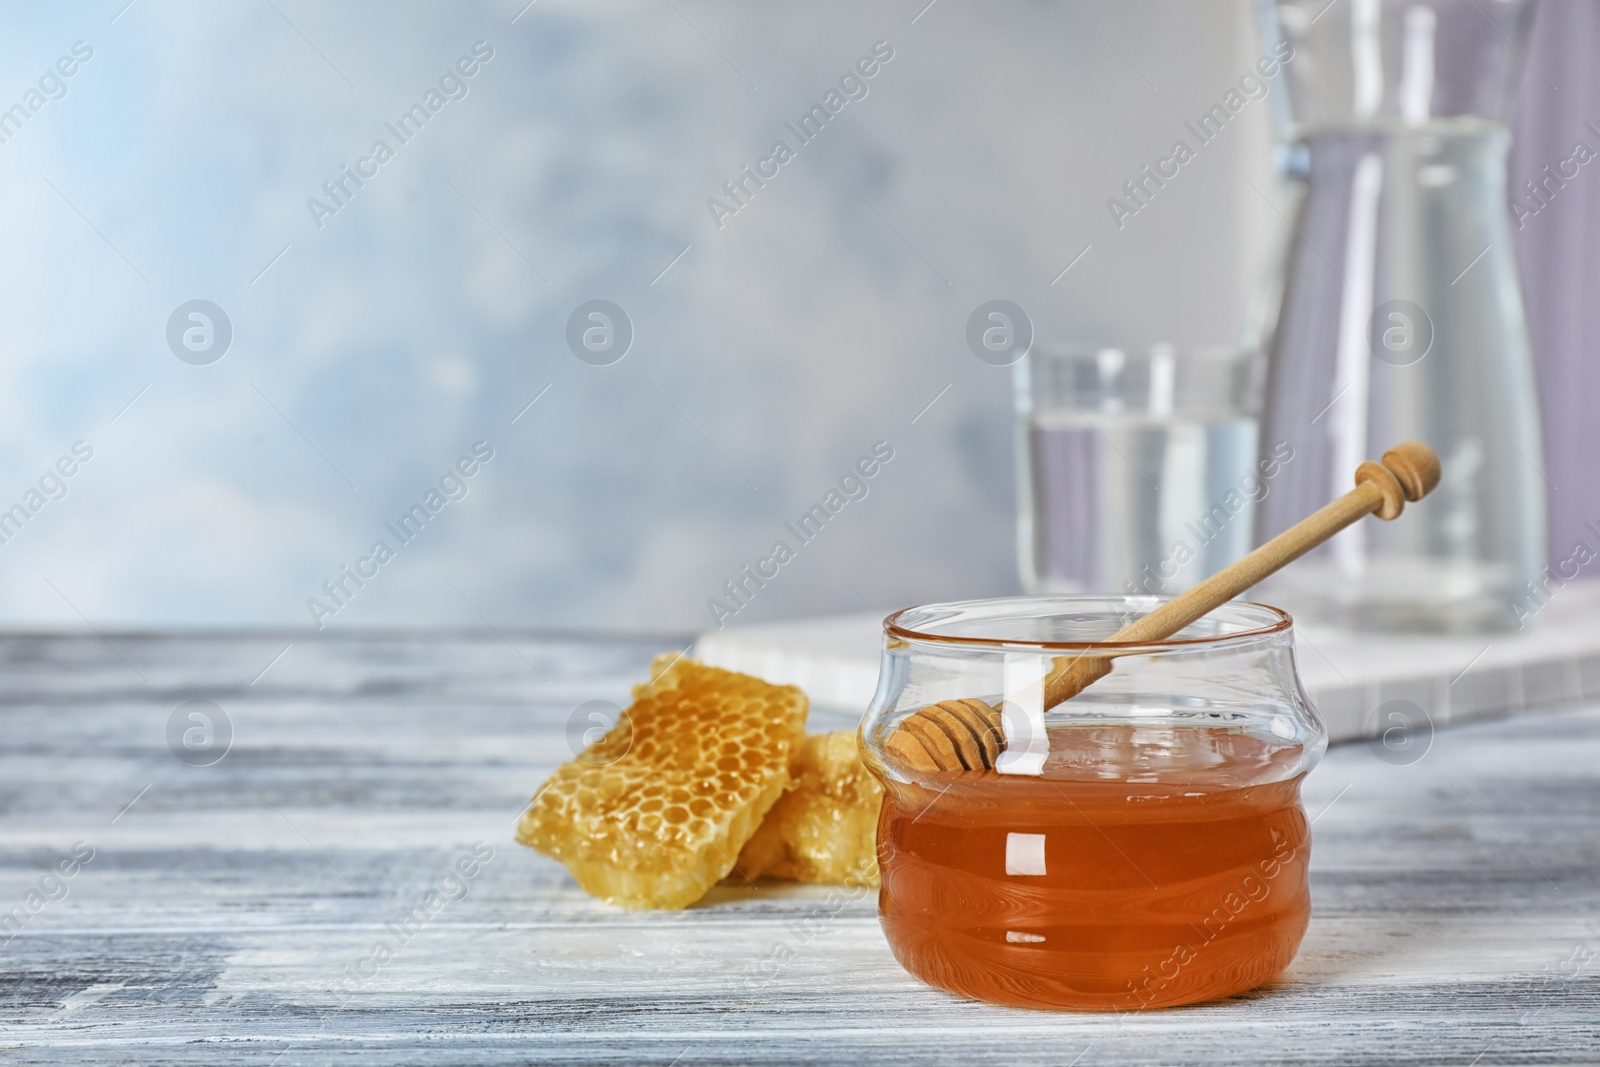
[1417,60]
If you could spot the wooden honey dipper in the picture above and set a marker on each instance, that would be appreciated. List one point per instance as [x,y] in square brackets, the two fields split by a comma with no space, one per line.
[965,735]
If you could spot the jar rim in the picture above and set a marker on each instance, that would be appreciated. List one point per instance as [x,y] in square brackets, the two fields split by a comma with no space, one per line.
[1276,621]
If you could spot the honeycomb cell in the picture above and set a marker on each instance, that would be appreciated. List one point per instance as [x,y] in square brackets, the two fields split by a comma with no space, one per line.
[619,815]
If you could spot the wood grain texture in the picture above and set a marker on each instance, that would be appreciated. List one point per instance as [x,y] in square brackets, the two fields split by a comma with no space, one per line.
[1457,900]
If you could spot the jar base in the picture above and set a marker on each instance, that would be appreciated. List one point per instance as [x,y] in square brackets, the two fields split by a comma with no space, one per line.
[1028,974]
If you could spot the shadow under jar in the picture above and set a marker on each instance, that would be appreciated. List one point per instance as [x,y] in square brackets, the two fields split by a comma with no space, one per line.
[1142,845]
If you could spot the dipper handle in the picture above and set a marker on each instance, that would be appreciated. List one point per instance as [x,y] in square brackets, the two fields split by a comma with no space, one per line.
[957,735]
[1409,472]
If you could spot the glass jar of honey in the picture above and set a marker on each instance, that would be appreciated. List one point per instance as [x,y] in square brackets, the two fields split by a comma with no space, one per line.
[1141,845]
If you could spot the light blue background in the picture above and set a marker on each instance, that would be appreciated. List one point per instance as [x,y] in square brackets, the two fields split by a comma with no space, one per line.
[420,319]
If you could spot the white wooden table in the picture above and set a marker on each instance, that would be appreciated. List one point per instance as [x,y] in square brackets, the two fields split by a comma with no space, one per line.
[231,912]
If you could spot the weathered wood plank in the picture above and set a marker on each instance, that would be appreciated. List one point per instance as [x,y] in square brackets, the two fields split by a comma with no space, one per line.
[230,914]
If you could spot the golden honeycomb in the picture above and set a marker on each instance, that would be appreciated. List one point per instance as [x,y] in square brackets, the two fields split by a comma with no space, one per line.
[655,813]
[824,829]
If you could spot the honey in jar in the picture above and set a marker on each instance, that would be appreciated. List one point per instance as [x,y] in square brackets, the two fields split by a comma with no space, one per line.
[1075,891]
[1153,854]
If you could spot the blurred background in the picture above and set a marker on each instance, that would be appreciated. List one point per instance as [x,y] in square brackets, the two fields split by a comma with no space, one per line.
[371,335]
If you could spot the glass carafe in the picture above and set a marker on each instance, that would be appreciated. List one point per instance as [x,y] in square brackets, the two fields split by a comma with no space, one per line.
[1400,314]
[1142,845]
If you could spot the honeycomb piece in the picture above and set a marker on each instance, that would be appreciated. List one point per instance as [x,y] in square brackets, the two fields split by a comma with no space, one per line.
[655,813]
[824,829]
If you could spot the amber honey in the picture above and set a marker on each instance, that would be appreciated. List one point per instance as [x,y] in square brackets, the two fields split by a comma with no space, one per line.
[1148,866]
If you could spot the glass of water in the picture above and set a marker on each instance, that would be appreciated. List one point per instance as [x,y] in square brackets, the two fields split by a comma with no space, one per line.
[1139,471]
